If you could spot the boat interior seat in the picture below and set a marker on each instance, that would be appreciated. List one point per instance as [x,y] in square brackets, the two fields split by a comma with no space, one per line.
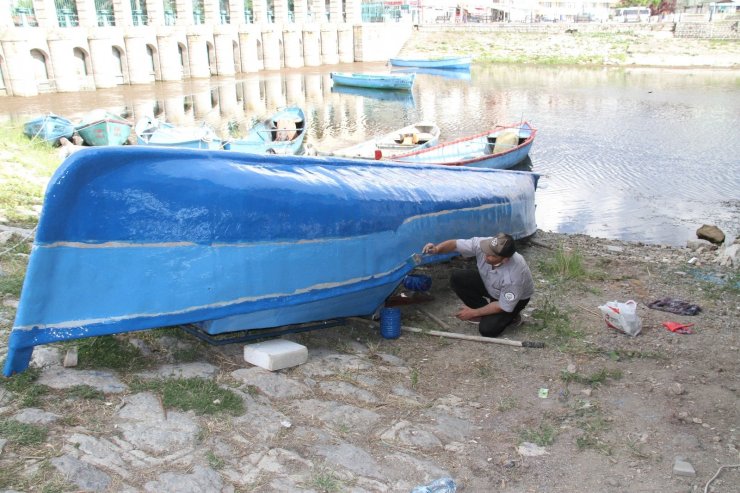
[285,130]
[503,142]
[423,137]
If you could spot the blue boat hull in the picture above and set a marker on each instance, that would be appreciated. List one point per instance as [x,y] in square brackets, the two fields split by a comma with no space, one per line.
[133,238]
[49,128]
[462,62]
[374,81]
[479,150]
[266,138]
[105,133]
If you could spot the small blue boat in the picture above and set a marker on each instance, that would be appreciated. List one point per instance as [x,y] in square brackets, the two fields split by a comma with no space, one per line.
[140,237]
[49,128]
[282,133]
[403,96]
[450,62]
[501,148]
[154,132]
[102,128]
[374,81]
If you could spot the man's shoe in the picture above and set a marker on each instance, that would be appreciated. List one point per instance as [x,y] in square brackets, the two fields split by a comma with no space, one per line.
[516,322]
[474,320]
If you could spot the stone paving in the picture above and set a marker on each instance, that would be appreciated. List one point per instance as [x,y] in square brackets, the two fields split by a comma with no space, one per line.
[330,414]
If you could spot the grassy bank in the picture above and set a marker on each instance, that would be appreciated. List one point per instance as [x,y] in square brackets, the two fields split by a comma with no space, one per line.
[25,168]
[576,48]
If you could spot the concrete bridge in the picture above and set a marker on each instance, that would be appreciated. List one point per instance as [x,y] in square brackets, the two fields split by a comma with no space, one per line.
[83,47]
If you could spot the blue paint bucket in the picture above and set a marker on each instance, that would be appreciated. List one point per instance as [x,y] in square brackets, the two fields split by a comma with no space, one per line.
[417,282]
[390,323]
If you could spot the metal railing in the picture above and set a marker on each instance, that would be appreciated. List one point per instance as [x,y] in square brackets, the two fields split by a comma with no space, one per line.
[67,18]
[24,17]
[106,18]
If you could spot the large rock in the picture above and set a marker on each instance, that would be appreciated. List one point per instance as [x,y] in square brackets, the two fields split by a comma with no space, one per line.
[711,233]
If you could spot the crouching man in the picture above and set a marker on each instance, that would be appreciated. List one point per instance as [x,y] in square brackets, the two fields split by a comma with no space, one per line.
[497,290]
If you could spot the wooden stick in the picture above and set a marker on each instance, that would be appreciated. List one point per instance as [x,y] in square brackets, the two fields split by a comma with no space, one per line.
[465,337]
[593,312]
[440,322]
[455,335]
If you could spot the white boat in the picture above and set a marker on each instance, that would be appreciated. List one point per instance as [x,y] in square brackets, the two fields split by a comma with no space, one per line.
[408,139]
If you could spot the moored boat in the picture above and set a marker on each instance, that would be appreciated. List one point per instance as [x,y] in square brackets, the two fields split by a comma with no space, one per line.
[420,135]
[282,133]
[102,128]
[49,128]
[374,81]
[137,237]
[501,147]
[449,62]
[155,132]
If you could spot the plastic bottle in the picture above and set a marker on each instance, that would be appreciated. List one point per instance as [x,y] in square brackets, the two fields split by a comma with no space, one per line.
[441,485]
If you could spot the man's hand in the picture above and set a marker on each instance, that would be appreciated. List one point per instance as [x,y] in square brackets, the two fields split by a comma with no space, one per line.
[429,248]
[467,313]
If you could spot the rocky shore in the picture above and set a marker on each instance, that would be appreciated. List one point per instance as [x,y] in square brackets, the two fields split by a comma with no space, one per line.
[594,410]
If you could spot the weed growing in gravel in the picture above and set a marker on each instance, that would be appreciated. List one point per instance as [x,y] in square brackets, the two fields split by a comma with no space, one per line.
[215,461]
[13,262]
[593,380]
[46,479]
[622,354]
[589,419]
[187,355]
[21,381]
[28,393]
[544,435]
[549,317]
[507,404]
[634,445]
[107,352]
[326,481]
[414,378]
[21,433]
[31,396]
[85,392]
[483,369]
[23,187]
[564,264]
[723,287]
[197,394]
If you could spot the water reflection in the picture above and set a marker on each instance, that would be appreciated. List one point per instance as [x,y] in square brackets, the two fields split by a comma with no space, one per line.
[404,97]
[639,154]
[459,74]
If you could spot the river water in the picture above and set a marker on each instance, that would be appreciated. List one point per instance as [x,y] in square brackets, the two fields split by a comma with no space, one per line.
[636,154]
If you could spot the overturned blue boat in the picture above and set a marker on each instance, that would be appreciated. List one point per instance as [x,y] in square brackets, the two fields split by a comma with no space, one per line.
[139,237]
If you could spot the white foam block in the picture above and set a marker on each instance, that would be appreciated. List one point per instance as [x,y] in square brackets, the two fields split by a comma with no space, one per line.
[275,354]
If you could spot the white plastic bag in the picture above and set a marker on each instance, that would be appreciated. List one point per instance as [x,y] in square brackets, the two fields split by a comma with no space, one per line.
[622,316]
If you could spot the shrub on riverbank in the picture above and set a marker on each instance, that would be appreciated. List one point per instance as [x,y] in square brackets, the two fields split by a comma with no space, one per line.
[27,165]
